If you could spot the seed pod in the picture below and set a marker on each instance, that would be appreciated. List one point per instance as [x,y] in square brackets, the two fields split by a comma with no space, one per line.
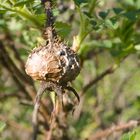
[54,62]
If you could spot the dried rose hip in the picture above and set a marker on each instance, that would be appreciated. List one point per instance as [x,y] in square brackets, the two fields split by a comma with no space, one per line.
[54,62]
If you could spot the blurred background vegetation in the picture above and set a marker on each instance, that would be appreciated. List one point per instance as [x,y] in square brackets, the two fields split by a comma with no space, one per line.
[108,33]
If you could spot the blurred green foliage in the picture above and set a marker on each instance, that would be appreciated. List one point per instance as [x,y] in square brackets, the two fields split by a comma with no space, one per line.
[2,126]
[130,136]
[108,34]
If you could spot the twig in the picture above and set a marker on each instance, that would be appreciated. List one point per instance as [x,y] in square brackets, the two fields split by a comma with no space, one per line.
[53,118]
[14,124]
[10,42]
[49,34]
[26,88]
[26,102]
[13,74]
[57,110]
[119,91]
[13,66]
[74,92]
[36,109]
[120,127]
[8,38]
[108,71]
[4,96]
[49,15]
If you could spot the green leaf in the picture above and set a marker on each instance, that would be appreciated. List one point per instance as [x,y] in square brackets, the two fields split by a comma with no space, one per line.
[137,47]
[79,2]
[87,14]
[2,126]
[2,11]
[107,44]
[104,14]
[132,15]
[22,2]
[55,12]
[133,135]
[125,137]
[94,24]
[117,10]
[112,23]
[24,13]
[41,18]
[63,28]
[129,136]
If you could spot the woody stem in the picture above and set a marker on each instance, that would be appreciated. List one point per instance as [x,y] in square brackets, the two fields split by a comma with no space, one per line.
[48,10]
[50,32]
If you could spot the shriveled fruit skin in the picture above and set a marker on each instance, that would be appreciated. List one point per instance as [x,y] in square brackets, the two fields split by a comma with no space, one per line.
[54,62]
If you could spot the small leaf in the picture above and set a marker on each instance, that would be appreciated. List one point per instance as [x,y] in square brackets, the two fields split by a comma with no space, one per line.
[137,47]
[107,44]
[129,136]
[2,11]
[55,12]
[104,14]
[79,2]
[112,23]
[132,15]
[117,10]
[125,137]
[2,126]
[22,2]
[133,135]
[41,18]
[93,23]
[87,14]
[63,28]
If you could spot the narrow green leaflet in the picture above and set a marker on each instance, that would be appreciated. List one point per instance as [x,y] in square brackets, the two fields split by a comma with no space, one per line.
[129,136]
[133,136]
[24,13]
[112,23]
[117,10]
[104,14]
[22,2]
[137,47]
[79,2]
[132,15]
[63,28]
[2,126]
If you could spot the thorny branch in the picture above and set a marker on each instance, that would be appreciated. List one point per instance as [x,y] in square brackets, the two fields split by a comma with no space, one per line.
[49,31]
[25,85]
[48,10]
[14,124]
[10,41]
[20,74]
[120,127]
[47,34]
[108,71]
[7,65]
[60,84]
[36,109]
[4,96]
